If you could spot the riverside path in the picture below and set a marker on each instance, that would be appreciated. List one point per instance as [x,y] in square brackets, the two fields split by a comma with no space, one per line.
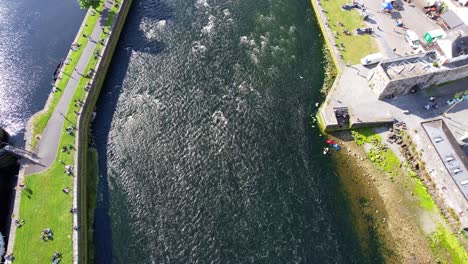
[48,144]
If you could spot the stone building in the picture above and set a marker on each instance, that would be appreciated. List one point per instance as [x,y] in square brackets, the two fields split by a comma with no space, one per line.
[398,76]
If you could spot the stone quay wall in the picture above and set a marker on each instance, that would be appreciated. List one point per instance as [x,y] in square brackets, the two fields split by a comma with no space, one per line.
[80,238]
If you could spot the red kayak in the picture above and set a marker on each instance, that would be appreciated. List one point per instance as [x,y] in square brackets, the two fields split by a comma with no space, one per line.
[331,142]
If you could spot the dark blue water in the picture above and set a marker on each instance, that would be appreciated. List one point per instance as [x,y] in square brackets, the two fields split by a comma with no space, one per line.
[207,154]
[34,37]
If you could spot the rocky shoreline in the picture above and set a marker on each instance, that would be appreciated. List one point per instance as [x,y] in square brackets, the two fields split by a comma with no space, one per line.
[388,216]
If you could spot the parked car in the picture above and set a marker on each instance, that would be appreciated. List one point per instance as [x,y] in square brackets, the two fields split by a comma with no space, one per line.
[349,6]
[361,31]
[412,39]
[371,59]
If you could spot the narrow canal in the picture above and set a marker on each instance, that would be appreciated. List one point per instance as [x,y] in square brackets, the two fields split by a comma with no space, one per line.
[34,37]
[207,153]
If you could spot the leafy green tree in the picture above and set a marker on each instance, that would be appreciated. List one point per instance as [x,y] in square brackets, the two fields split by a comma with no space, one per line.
[85,4]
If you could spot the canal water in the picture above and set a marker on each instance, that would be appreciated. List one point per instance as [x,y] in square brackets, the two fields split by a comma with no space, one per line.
[206,145]
[34,37]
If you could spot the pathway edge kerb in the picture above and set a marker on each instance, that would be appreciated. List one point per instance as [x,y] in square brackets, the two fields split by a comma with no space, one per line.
[80,238]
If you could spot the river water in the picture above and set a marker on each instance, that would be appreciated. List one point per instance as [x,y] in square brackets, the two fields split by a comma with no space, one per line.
[207,151]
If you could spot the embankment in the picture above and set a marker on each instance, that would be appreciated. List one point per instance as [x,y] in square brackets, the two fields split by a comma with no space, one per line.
[82,139]
[333,66]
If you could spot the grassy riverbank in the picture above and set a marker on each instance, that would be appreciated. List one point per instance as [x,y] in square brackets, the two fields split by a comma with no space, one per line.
[43,203]
[46,205]
[330,69]
[39,121]
[446,246]
[352,47]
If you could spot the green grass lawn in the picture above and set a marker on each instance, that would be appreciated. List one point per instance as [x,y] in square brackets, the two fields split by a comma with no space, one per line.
[380,156]
[425,199]
[447,248]
[40,121]
[355,46]
[44,204]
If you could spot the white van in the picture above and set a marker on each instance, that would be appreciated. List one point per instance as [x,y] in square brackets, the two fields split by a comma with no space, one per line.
[371,59]
[412,38]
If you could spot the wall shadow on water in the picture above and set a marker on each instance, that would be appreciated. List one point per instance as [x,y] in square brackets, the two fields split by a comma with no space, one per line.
[131,40]
[8,181]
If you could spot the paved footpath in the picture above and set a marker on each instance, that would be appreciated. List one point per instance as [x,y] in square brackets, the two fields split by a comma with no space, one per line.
[48,144]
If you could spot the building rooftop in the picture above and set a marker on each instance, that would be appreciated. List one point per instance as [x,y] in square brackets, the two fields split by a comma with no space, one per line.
[404,67]
[452,155]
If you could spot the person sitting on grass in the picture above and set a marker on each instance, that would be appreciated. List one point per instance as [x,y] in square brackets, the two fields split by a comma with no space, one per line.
[57,257]
[19,223]
[46,234]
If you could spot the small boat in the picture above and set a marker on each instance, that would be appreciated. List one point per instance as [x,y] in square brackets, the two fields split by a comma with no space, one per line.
[330,142]
[336,146]
[326,151]
[57,70]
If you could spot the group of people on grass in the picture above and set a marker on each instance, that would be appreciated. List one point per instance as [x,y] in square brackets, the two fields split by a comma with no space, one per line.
[46,234]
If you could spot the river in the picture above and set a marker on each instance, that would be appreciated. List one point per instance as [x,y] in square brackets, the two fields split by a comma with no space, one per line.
[206,145]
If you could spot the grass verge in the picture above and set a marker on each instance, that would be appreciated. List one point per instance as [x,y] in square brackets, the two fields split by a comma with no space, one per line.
[40,120]
[44,204]
[330,70]
[425,199]
[447,248]
[445,244]
[354,46]
[379,154]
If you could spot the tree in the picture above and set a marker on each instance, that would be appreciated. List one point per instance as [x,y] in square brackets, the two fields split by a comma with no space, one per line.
[85,4]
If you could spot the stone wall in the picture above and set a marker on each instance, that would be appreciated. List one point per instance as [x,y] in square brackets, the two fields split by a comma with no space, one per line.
[80,250]
[378,80]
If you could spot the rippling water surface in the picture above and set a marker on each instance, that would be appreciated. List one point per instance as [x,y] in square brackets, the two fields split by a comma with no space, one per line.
[34,37]
[207,153]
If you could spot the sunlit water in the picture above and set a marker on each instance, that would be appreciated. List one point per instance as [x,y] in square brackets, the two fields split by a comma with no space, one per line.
[206,148]
[34,37]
